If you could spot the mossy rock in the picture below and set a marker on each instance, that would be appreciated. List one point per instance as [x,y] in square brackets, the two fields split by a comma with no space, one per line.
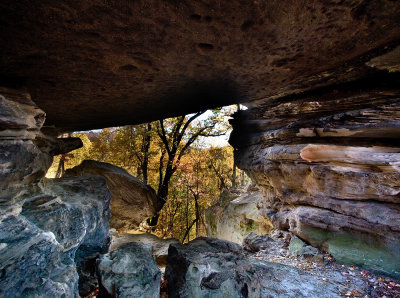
[358,249]
[299,248]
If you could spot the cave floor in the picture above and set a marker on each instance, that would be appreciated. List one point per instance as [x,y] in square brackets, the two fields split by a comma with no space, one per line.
[352,280]
[359,282]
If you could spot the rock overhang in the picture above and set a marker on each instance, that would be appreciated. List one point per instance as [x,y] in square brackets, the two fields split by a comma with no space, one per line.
[93,64]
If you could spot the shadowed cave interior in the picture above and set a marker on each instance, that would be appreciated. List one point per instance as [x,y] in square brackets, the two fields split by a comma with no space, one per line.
[318,212]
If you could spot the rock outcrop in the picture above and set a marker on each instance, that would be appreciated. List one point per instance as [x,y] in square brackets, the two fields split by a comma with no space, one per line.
[328,166]
[237,213]
[103,64]
[50,230]
[130,271]
[132,201]
[21,161]
[208,267]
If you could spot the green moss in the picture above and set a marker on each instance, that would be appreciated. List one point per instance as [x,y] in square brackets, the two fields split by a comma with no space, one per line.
[249,225]
[358,249]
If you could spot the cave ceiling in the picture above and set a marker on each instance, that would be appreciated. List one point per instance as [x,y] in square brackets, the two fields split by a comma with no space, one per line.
[93,64]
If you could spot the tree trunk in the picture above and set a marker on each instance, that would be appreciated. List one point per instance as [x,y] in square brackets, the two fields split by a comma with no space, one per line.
[187,216]
[146,149]
[61,168]
[196,204]
[234,174]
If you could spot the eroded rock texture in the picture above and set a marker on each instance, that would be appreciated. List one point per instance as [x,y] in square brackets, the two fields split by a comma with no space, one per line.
[93,64]
[50,230]
[132,201]
[159,245]
[328,165]
[130,271]
[237,213]
[208,267]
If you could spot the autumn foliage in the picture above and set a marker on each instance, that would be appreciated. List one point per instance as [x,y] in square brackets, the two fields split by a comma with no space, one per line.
[175,157]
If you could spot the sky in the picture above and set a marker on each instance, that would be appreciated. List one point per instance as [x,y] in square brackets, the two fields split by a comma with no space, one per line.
[220,141]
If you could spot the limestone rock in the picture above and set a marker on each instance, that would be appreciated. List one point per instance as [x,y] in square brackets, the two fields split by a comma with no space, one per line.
[210,267]
[25,152]
[33,263]
[49,231]
[298,248]
[207,267]
[159,245]
[236,215]
[329,171]
[254,242]
[21,161]
[101,65]
[132,201]
[130,271]
[55,146]
[20,118]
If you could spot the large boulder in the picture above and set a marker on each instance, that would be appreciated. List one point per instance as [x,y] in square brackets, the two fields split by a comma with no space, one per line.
[237,213]
[130,271]
[57,226]
[160,246]
[208,267]
[132,201]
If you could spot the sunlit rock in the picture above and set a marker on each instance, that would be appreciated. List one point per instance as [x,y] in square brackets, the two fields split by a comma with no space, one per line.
[132,201]
[237,214]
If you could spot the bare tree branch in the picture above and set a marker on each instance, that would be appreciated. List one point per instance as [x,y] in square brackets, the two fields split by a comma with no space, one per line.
[189,228]
[163,136]
[182,133]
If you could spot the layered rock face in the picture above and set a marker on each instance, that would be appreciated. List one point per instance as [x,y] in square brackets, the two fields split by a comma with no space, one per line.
[328,164]
[50,230]
[132,201]
[237,213]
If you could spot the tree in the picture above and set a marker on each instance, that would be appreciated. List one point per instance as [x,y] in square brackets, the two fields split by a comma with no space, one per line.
[220,160]
[177,135]
[133,143]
